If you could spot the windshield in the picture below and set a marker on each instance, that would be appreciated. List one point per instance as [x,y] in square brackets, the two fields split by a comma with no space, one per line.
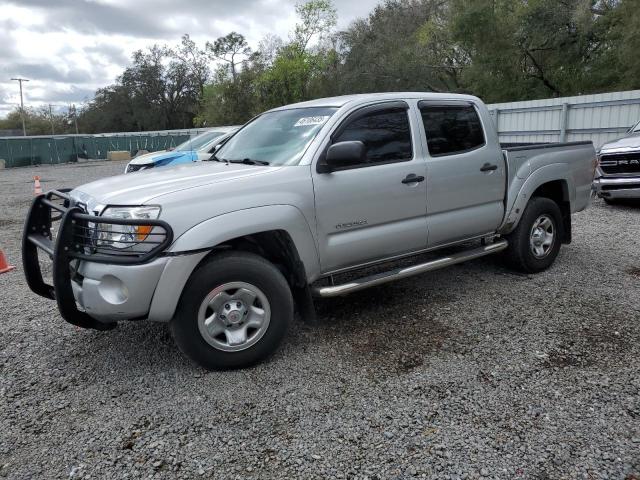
[636,129]
[198,141]
[279,138]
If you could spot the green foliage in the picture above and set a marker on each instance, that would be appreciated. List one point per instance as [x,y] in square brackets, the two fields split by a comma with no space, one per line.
[619,64]
[160,90]
[500,50]
[228,49]
[40,121]
[402,45]
[279,74]
[522,49]
[317,19]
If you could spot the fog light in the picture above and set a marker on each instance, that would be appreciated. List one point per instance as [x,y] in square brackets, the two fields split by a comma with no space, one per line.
[112,290]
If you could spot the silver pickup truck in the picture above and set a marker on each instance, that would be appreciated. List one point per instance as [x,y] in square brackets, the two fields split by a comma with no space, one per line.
[618,172]
[320,198]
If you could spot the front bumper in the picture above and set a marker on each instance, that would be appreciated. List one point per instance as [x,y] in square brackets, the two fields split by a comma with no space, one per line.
[617,187]
[110,293]
[108,284]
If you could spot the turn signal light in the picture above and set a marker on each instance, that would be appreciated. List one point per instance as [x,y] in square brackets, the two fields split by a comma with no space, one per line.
[142,232]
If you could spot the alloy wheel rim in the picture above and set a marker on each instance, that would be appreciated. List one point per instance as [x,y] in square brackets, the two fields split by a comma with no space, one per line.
[234,316]
[542,237]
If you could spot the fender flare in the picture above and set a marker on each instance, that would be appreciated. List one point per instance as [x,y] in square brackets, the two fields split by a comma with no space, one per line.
[239,223]
[192,247]
[518,198]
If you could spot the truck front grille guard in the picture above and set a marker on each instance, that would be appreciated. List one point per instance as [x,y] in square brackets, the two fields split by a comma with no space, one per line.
[80,237]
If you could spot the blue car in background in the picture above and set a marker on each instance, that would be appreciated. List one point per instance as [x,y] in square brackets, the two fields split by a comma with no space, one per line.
[196,149]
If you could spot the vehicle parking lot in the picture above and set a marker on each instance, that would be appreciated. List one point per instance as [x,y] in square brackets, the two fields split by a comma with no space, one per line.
[468,372]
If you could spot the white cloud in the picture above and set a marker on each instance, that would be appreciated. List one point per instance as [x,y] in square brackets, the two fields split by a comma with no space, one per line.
[69,48]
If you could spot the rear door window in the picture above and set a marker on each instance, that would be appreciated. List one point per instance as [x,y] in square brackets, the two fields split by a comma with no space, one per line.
[451,129]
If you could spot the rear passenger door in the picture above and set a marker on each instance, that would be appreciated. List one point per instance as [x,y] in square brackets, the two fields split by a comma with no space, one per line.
[376,209]
[465,173]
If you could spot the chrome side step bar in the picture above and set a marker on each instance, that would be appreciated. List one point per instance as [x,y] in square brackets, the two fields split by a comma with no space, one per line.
[400,273]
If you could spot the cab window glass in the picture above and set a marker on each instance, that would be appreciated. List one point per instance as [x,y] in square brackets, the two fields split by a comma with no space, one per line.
[451,129]
[386,135]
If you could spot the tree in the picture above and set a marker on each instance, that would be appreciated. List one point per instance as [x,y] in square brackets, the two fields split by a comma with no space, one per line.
[617,65]
[111,110]
[501,50]
[277,74]
[317,19]
[228,48]
[160,90]
[38,121]
[402,45]
[522,49]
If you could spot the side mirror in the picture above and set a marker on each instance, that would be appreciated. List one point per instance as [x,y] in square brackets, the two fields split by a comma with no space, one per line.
[343,154]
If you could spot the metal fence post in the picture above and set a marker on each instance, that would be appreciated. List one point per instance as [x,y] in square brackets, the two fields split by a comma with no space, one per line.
[564,119]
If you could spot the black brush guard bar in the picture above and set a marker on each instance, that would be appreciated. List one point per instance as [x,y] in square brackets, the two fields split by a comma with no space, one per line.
[66,247]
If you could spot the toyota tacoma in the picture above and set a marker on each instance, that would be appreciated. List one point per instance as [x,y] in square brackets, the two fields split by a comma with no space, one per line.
[316,199]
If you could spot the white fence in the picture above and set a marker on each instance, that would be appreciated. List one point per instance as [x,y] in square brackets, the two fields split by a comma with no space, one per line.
[598,118]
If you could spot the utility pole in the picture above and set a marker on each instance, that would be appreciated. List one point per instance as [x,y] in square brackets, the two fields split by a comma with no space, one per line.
[20,80]
[75,117]
[53,132]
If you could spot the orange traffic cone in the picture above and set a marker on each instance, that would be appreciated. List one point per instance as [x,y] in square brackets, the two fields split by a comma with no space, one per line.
[4,266]
[38,187]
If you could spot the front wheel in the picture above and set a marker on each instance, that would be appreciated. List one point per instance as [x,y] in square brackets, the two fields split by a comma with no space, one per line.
[535,243]
[234,311]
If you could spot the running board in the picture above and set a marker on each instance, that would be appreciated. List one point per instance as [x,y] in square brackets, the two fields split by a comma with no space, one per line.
[400,273]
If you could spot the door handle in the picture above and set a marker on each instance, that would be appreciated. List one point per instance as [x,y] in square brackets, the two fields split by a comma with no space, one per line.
[413,178]
[487,167]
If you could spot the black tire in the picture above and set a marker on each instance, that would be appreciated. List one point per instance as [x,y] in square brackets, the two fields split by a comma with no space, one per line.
[219,270]
[610,201]
[519,254]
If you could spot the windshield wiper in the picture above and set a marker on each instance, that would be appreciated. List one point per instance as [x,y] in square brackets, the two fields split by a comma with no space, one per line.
[248,161]
[214,158]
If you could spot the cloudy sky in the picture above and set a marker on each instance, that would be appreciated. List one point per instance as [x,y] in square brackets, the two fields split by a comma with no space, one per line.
[69,48]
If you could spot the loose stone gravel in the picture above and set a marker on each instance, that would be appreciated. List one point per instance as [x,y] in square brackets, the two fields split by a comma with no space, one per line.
[466,373]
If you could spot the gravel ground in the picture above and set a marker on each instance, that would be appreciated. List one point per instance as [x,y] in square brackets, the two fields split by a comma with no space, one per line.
[468,372]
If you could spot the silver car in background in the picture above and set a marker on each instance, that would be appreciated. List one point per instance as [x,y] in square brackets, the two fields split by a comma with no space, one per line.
[618,172]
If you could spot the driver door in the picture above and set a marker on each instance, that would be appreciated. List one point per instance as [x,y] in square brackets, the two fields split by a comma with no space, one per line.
[371,211]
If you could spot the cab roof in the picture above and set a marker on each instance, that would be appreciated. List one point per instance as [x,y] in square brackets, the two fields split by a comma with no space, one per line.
[343,100]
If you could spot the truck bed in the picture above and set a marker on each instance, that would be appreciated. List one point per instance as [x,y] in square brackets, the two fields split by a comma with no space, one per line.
[514,147]
[572,162]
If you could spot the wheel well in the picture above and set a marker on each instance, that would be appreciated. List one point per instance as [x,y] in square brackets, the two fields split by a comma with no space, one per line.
[275,246]
[558,191]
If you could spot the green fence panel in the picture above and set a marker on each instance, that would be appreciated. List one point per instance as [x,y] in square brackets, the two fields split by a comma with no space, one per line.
[26,151]
[4,151]
[21,153]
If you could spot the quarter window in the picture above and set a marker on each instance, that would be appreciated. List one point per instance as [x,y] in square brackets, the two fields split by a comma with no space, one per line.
[386,135]
[451,129]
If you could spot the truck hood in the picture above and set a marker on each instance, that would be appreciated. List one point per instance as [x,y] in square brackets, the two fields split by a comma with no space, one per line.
[140,189]
[622,144]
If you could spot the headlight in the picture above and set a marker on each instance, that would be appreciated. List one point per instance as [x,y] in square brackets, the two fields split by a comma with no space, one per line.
[125,236]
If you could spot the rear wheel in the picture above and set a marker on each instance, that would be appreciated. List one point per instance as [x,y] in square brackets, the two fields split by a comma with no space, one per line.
[535,243]
[234,312]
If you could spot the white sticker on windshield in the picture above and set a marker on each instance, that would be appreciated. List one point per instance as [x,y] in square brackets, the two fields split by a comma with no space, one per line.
[308,121]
